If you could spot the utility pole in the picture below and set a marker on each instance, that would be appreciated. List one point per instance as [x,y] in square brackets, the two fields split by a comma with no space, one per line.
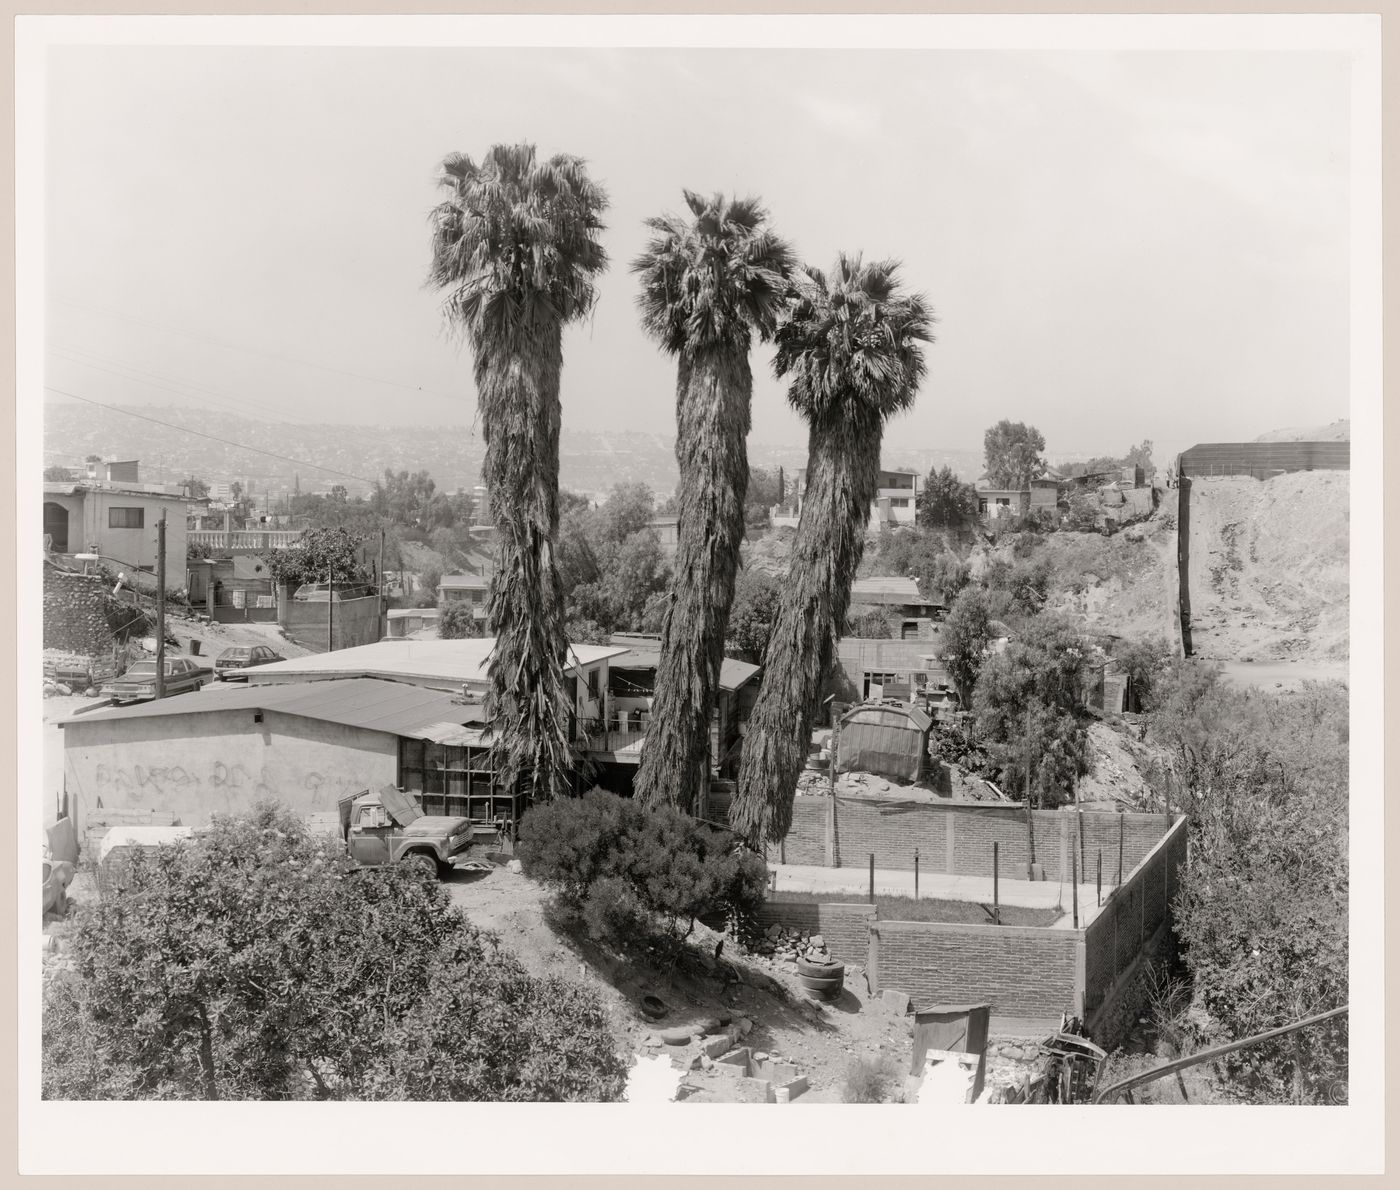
[330,611]
[160,606]
[1030,820]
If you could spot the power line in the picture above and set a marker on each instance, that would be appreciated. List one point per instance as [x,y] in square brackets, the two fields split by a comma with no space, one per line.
[173,384]
[290,359]
[211,437]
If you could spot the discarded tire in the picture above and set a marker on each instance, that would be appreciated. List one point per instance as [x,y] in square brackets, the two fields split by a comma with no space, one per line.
[822,987]
[807,967]
[653,1007]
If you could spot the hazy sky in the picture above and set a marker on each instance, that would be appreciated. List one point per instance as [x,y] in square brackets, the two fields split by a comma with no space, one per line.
[1117,245]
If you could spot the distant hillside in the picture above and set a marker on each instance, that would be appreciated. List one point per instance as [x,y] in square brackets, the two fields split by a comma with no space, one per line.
[1337,431]
[589,461]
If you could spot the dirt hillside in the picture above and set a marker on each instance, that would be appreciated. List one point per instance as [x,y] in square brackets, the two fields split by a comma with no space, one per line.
[1124,584]
[1269,567]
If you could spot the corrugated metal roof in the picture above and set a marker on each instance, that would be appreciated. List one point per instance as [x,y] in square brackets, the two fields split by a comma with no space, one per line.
[732,674]
[450,661]
[393,707]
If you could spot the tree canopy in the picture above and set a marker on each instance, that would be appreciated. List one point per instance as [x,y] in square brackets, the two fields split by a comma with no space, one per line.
[1013,454]
[256,962]
[946,501]
[318,556]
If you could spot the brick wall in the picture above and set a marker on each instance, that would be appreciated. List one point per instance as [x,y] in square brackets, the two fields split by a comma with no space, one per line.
[844,928]
[957,837]
[1132,916]
[1020,971]
[1098,973]
[74,615]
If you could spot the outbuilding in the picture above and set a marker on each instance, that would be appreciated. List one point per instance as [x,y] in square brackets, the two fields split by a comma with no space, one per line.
[888,738]
[304,744]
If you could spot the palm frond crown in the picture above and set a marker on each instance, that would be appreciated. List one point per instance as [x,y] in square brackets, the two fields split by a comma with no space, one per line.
[713,280]
[515,240]
[850,343]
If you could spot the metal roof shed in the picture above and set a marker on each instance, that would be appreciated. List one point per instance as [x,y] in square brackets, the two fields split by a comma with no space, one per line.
[888,738]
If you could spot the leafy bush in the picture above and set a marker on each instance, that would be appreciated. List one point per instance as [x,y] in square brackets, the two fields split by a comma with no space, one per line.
[456,621]
[257,963]
[1263,911]
[637,877]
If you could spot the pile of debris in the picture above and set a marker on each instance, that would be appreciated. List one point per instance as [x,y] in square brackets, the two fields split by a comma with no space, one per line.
[75,673]
[784,945]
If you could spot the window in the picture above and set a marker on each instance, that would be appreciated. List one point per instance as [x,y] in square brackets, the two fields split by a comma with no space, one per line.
[452,780]
[126,518]
[899,502]
[593,684]
[876,682]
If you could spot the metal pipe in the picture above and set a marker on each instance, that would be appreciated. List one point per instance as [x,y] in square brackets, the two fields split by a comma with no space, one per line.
[1125,1086]
[872,878]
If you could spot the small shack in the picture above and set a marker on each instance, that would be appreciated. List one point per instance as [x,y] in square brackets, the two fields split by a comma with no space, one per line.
[887,738]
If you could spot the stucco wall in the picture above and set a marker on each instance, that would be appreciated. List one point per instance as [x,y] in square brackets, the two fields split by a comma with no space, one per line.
[87,526]
[221,761]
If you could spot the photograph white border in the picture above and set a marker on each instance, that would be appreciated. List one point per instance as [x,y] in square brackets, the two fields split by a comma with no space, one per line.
[597,1139]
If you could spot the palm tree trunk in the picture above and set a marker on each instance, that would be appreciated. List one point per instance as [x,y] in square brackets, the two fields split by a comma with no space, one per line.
[518,390]
[842,479]
[713,392]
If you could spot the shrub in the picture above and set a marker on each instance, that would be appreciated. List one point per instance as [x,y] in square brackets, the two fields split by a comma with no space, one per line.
[257,963]
[456,621]
[872,1080]
[636,877]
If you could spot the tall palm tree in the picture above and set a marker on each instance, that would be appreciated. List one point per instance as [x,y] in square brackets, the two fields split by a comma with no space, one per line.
[515,247]
[851,347]
[709,284]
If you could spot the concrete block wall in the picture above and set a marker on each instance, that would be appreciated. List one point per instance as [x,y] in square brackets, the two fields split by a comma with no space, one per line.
[354,622]
[75,617]
[1019,970]
[844,928]
[193,765]
[957,837]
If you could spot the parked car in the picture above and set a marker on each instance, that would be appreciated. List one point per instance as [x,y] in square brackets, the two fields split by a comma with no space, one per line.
[229,663]
[389,826]
[139,682]
[324,592]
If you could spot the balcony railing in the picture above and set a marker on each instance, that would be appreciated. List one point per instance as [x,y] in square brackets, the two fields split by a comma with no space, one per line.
[242,539]
[614,734]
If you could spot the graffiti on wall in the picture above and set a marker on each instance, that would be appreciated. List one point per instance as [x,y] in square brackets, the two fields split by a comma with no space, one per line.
[230,784]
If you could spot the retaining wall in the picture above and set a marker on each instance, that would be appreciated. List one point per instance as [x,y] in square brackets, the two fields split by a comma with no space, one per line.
[75,617]
[1019,970]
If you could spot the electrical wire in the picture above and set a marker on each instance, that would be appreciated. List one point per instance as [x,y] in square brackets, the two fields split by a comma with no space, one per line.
[211,437]
[291,359]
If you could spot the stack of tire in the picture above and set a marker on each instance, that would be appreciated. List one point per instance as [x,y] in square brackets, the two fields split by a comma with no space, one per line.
[821,978]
